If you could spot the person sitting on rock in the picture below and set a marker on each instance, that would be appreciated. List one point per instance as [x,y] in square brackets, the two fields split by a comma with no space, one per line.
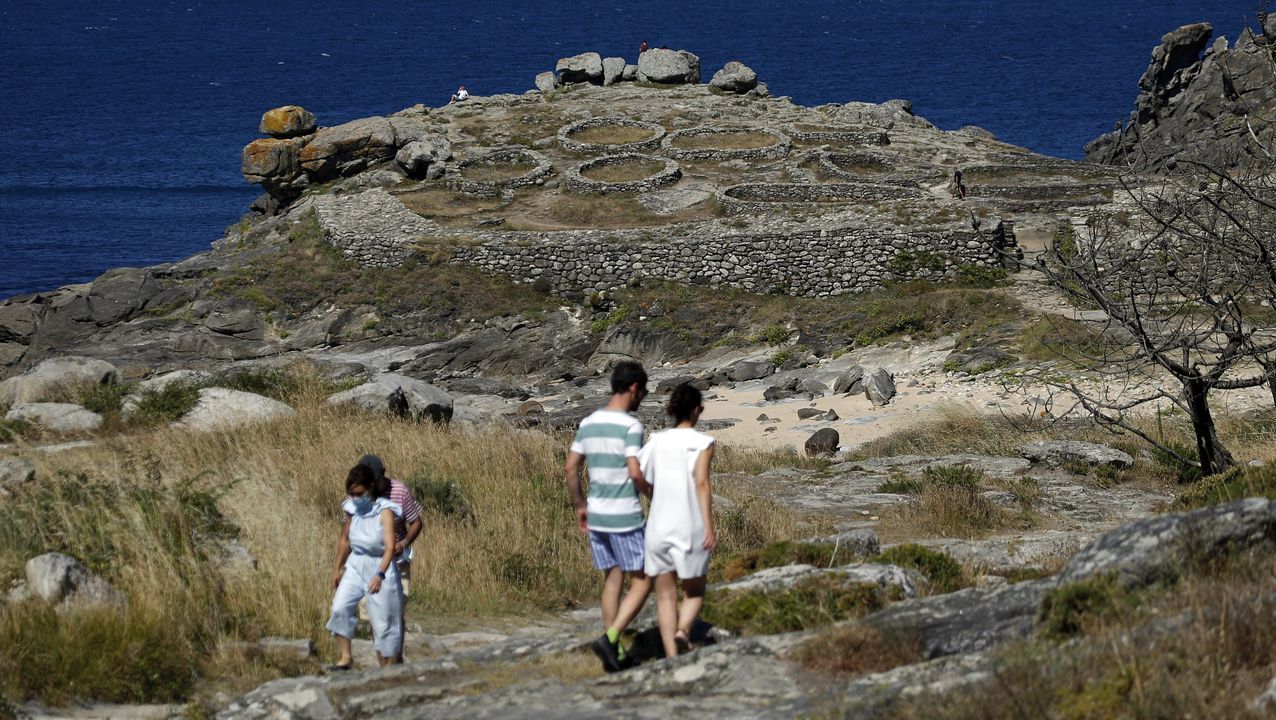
[461,94]
[680,534]
[642,47]
[366,568]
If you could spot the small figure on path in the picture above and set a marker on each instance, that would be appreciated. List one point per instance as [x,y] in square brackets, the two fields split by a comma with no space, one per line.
[460,95]
[956,187]
[366,568]
[610,439]
[675,462]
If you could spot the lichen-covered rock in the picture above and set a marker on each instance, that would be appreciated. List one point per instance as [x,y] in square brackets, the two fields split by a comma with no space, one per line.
[14,473]
[585,67]
[62,580]
[1193,100]
[58,417]
[425,157]
[970,620]
[287,122]
[348,148]
[1058,452]
[1155,548]
[547,82]
[51,374]
[887,577]
[879,386]
[223,409]
[275,164]
[613,68]
[735,77]
[860,542]
[399,395]
[670,67]
[850,382]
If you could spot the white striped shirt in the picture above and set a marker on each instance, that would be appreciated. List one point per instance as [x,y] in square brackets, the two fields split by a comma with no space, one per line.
[607,438]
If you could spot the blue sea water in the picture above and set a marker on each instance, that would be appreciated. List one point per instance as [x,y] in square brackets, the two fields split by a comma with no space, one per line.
[122,121]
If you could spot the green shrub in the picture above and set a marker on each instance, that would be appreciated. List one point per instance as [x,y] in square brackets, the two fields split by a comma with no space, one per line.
[782,356]
[103,399]
[440,496]
[774,334]
[778,554]
[1064,609]
[910,262]
[961,477]
[979,276]
[814,602]
[1234,484]
[164,405]
[618,315]
[944,573]
[902,485]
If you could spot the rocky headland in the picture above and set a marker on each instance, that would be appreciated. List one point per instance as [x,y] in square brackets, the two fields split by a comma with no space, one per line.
[907,524]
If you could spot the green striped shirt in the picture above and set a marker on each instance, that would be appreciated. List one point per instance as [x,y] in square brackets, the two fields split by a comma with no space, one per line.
[607,438]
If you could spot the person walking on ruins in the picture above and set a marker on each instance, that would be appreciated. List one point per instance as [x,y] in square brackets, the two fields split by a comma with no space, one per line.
[679,537]
[957,188]
[406,529]
[609,439]
[366,568]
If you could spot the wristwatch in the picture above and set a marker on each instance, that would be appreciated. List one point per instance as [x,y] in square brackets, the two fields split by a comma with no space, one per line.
[381,574]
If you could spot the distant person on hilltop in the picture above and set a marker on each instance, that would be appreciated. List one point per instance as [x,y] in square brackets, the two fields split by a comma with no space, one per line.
[679,537]
[366,568]
[610,439]
[642,47]
[460,95]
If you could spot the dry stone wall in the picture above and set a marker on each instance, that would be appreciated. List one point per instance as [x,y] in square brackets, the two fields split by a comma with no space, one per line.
[763,198]
[809,264]
[577,181]
[568,142]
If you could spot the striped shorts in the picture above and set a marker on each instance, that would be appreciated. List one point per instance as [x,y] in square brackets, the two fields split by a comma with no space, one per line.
[625,550]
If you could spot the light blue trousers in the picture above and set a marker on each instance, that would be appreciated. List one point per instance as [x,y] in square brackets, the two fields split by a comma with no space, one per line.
[385,608]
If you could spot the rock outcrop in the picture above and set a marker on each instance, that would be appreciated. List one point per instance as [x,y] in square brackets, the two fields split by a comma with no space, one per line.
[58,417]
[1058,452]
[735,77]
[1199,100]
[669,67]
[223,409]
[64,581]
[14,473]
[38,382]
[399,395]
[585,67]
[288,121]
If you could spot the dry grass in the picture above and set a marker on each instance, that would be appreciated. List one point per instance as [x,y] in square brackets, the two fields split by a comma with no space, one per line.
[443,203]
[563,667]
[151,511]
[851,650]
[611,135]
[624,172]
[1210,665]
[727,140]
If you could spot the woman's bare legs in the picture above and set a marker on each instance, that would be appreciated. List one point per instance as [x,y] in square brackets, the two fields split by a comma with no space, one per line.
[691,604]
[347,658]
[667,611]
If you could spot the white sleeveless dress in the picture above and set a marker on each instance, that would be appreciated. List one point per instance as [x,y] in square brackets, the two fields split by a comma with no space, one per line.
[675,527]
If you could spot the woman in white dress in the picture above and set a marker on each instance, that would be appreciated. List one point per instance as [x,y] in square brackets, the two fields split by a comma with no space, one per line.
[366,567]
[679,534]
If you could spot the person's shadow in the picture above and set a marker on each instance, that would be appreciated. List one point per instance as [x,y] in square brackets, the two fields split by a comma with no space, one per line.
[646,644]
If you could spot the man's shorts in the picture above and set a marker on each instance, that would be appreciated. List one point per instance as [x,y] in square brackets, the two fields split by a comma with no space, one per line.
[617,549]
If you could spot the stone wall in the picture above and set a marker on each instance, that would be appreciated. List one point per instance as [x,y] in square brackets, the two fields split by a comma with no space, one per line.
[810,264]
[764,198]
[777,149]
[541,169]
[577,181]
[567,142]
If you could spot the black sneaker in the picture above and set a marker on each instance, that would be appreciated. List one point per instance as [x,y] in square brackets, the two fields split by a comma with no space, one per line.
[606,651]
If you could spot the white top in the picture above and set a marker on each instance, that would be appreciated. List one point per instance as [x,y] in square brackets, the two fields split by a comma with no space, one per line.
[366,535]
[669,463]
[462,94]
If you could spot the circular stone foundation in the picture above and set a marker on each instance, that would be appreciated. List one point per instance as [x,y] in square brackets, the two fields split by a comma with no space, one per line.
[838,135]
[577,180]
[655,133]
[751,198]
[718,144]
[862,167]
[482,175]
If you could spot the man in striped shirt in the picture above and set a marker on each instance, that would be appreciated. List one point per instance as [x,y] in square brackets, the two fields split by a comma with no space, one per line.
[609,439]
